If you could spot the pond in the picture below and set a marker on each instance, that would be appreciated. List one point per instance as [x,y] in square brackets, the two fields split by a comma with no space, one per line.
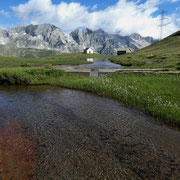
[101,64]
[53,133]
[95,63]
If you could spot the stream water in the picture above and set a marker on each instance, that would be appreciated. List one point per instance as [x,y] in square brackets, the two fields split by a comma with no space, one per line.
[53,133]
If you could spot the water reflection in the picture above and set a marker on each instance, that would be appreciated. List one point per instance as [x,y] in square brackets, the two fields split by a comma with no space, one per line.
[101,64]
[96,63]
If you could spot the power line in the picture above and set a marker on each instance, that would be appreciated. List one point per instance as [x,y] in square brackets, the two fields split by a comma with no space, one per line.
[163,12]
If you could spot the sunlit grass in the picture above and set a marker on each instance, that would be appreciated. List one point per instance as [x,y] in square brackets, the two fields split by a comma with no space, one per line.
[163,54]
[63,59]
[155,94]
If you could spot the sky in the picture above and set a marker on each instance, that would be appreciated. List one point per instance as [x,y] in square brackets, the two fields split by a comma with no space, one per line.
[113,16]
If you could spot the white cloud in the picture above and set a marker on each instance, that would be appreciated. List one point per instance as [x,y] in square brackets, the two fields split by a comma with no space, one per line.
[173,1]
[125,17]
[5,13]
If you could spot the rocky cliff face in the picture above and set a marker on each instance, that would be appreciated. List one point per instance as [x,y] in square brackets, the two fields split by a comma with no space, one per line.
[49,37]
[42,37]
[97,40]
[4,37]
[108,44]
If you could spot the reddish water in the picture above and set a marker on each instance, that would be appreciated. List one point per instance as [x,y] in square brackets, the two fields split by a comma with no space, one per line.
[52,133]
[17,153]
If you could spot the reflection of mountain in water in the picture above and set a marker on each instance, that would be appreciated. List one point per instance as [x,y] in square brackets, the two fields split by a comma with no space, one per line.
[96,63]
[101,64]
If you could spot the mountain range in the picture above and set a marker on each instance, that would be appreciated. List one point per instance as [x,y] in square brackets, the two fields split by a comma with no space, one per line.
[46,39]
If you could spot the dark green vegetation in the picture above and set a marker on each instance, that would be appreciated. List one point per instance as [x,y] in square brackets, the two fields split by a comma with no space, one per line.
[63,59]
[163,54]
[154,94]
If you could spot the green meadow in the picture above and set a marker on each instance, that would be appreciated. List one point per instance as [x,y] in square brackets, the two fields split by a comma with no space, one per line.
[154,94]
[63,59]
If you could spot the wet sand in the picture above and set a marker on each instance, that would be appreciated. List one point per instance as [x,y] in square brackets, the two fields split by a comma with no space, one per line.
[76,135]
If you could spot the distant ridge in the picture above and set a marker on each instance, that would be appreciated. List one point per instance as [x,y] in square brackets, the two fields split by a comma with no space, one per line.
[49,38]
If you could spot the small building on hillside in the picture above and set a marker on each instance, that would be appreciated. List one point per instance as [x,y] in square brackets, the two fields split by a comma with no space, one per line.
[88,51]
[124,51]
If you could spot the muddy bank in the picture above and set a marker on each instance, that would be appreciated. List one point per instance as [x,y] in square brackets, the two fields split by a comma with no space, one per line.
[76,135]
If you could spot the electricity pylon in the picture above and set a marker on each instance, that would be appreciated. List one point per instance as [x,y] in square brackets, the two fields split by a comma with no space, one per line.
[163,12]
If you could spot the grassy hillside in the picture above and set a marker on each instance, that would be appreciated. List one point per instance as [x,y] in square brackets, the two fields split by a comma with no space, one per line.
[63,59]
[163,54]
[12,50]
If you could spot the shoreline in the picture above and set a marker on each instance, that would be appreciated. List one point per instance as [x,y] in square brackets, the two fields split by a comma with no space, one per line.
[132,90]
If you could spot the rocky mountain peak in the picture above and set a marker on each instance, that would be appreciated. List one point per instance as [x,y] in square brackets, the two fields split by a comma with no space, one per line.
[87,31]
[136,36]
[47,36]
[99,31]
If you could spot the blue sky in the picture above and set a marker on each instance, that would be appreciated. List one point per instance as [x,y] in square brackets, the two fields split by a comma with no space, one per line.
[124,16]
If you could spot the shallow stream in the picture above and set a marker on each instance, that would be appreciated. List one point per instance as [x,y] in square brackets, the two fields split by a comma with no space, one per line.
[53,133]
